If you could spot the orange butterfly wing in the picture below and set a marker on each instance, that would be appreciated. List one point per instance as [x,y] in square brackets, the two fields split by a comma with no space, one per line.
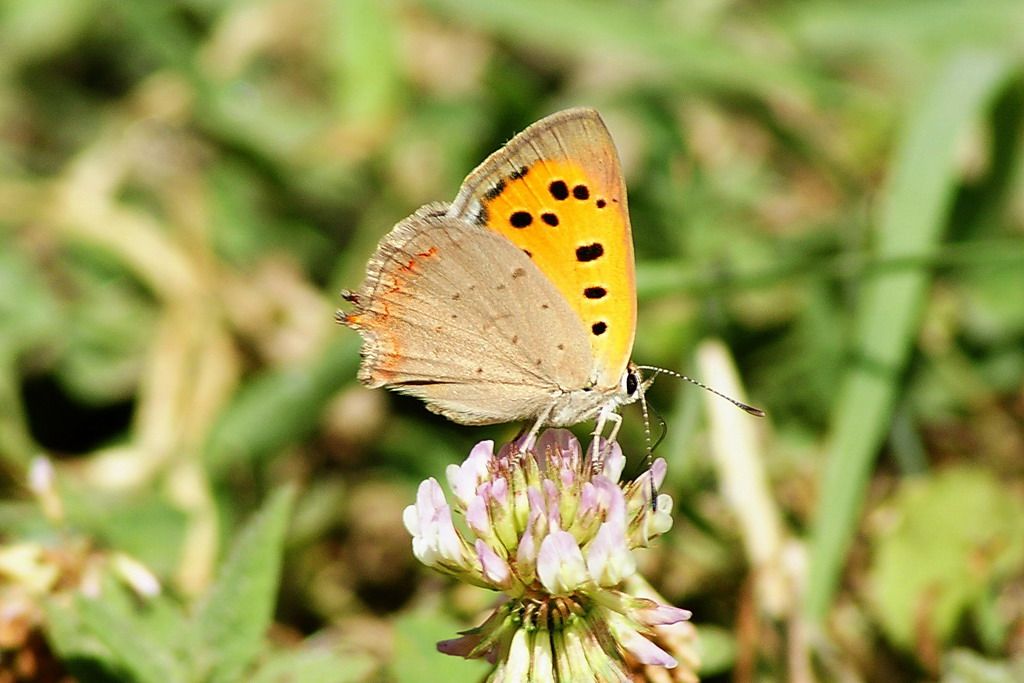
[556,191]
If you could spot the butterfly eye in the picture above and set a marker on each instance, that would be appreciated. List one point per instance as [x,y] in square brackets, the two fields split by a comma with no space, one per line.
[631,382]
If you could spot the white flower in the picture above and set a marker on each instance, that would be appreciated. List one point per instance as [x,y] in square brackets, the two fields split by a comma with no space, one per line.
[553,531]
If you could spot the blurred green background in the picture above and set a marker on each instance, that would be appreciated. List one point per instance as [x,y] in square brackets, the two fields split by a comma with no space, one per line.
[832,190]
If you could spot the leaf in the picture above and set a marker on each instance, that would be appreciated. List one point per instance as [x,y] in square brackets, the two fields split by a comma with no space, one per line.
[27,307]
[953,535]
[717,648]
[633,33]
[902,28]
[915,210]
[143,526]
[32,31]
[964,666]
[233,620]
[315,666]
[416,655]
[81,651]
[31,318]
[364,58]
[113,639]
[105,329]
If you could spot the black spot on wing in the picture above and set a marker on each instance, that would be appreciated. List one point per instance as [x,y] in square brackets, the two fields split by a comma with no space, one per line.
[589,252]
[495,192]
[520,219]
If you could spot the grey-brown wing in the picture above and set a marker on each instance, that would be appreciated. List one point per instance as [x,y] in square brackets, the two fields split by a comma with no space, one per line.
[461,318]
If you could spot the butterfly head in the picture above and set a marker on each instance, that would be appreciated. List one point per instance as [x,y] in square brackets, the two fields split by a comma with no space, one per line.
[632,385]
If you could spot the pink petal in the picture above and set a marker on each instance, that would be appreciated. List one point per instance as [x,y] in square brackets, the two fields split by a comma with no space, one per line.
[464,479]
[477,517]
[589,499]
[614,463]
[526,556]
[609,560]
[661,520]
[551,502]
[429,497]
[434,534]
[560,443]
[495,568]
[658,470]
[537,504]
[449,542]
[614,501]
[560,564]
[411,520]
[662,615]
[461,646]
[498,492]
[644,650]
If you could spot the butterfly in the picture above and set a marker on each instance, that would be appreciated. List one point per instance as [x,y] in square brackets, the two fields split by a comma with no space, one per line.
[516,301]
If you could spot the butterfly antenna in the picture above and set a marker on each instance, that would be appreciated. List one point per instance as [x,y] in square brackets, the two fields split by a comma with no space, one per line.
[663,432]
[647,440]
[756,412]
[647,422]
[664,428]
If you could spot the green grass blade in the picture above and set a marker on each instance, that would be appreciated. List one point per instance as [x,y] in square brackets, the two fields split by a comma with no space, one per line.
[363,56]
[635,32]
[232,622]
[125,645]
[914,213]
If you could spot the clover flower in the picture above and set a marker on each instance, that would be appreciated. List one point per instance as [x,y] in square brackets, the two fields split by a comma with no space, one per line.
[553,529]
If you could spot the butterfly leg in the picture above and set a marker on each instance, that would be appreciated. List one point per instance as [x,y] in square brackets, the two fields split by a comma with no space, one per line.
[616,421]
[606,415]
[527,444]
